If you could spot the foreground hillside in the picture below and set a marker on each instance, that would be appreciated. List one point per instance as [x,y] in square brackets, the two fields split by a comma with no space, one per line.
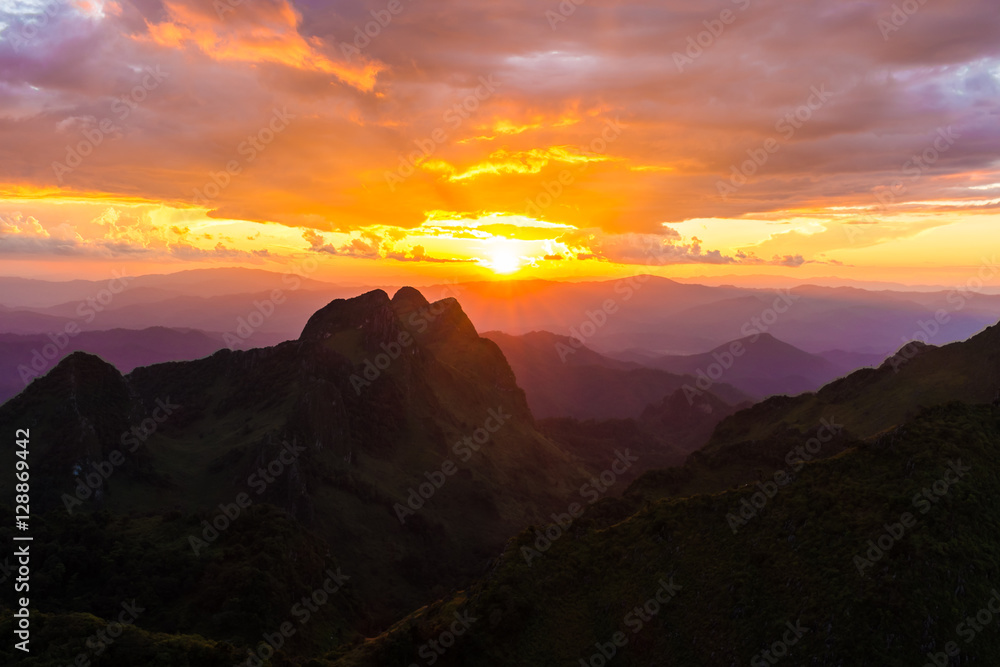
[873,399]
[877,556]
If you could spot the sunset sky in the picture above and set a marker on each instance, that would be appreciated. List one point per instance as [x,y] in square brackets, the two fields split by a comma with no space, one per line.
[417,140]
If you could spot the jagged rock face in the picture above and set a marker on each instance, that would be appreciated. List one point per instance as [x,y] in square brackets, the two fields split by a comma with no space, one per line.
[408,299]
[370,313]
[87,406]
[416,333]
[383,319]
[378,393]
[446,322]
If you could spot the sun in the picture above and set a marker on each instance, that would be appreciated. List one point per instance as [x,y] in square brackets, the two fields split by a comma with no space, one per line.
[504,261]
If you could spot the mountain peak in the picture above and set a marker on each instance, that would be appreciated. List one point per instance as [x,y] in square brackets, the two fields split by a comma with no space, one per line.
[408,299]
[365,311]
[77,364]
[758,338]
[447,319]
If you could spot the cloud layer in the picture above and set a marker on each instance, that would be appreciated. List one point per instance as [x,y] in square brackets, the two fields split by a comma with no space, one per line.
[614,118]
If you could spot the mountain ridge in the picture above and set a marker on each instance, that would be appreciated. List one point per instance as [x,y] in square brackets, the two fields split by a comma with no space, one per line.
[445,412]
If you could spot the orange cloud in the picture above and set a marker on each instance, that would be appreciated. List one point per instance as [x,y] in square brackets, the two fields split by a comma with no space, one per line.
[515,162]
[263,32]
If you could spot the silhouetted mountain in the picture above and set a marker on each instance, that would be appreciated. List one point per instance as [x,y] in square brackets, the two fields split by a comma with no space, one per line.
[637,314]
[17,321]
[760,365]
[563,378]
[211,300]
[204,283]
[389,450]
[663,436]
[871,400]
[23,357]
[851,361]
[754,443]
[869,558]
[662,316]
[853,526]
[409,458]
[693,415]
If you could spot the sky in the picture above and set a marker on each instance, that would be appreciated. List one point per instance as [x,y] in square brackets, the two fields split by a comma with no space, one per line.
[412,140]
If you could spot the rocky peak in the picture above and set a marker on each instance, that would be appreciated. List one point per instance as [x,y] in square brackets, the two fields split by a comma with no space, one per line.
[371,312]
[444,320]
[407,300]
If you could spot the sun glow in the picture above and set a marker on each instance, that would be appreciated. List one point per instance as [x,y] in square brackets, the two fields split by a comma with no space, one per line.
[503,261]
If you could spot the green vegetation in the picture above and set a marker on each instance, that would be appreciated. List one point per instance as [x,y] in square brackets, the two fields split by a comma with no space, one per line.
[363,453]
[749,554]
[792,563]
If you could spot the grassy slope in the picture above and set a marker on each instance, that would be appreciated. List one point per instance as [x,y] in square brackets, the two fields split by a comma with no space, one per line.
[794,562]
[871,400]
[752,444]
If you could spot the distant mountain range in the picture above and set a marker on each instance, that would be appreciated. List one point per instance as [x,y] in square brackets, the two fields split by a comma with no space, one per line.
[563,378]
[24,357]
[215,301]
[643,315]
[660,316]
[761,365]
[389,457]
